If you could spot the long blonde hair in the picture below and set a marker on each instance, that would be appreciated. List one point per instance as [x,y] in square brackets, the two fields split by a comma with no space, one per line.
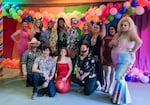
[132,26]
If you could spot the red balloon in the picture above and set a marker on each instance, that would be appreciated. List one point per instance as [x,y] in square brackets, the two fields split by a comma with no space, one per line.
[118,6]
[143,2]
[110,5]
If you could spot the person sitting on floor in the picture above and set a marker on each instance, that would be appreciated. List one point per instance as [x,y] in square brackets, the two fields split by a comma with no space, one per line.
[64,70]
[43,70]
[85,70]
[28,60]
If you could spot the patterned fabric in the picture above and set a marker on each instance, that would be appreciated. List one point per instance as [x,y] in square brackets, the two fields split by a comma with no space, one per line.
[73,39]
[53,41]
[62,40]
[28,58]
[86,65]
[45,65]
[45,36]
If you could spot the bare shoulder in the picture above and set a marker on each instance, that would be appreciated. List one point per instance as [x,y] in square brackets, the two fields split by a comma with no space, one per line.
[69,59]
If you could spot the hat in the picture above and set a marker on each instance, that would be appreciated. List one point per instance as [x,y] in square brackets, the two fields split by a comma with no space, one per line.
[34,40]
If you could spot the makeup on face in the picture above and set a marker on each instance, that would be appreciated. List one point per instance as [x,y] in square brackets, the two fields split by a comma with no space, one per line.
[125,26]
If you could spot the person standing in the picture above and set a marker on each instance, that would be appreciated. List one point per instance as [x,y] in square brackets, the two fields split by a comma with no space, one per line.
[36,30]
[73,40]
[107,63]
[24,37]
[43,70]
[96,44]
[62,34]
[127,34]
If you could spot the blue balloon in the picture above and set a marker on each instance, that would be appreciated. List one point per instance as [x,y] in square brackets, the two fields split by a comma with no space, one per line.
[28,18]
[135,78]
[92,23]
[14,6]
[134,3]
[118,16]
[123,10]
[128,77]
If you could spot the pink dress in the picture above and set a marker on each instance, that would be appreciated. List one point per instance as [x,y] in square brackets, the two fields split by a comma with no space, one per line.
[22,46]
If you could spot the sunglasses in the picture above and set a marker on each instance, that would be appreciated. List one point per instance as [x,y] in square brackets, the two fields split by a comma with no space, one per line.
[124,25]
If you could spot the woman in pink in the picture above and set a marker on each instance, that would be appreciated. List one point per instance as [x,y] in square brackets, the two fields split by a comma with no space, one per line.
[22,43]
[64,70]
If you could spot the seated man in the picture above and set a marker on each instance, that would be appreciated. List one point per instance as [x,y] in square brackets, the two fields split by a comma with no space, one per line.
[85,70]
[28,60]
[43,70]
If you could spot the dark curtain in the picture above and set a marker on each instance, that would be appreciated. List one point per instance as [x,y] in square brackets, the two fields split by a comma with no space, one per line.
[143,27]
[9,27]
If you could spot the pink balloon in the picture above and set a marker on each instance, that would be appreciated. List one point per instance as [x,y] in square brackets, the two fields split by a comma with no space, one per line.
[113,11]
[127,4]
[144,79]
[148,5]
[139,10]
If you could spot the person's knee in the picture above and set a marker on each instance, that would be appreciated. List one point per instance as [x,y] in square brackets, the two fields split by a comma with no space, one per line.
[52,94]
[88,91]
[35,74]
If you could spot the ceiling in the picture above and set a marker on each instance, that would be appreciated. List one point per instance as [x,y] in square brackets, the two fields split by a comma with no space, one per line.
[56,3]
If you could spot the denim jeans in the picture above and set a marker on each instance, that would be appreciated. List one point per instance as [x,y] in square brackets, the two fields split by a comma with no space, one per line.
[51,86]
[89,84]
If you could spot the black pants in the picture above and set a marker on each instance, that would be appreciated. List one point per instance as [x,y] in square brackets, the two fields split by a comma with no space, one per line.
[89,84]
[99,72]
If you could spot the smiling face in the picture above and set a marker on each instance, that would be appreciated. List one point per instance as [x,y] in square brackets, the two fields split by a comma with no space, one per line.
[112,30]
[46,52]
[86,26]
[38,23]
[50,25]
[25,25]
[63,52]
[96,28]
[61,23]
[125,26]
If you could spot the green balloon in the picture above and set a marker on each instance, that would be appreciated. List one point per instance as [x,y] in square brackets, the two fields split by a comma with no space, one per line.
[4,12]
[12,10]
[81,9]
[110,18]
[130,11]
[79,15]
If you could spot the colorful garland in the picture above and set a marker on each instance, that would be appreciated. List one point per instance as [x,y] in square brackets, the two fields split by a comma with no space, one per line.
[1,39]
[105,13]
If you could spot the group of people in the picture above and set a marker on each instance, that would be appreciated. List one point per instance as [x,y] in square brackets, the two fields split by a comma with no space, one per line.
[88,57]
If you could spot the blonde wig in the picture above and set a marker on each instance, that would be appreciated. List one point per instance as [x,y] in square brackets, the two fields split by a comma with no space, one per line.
[132,26]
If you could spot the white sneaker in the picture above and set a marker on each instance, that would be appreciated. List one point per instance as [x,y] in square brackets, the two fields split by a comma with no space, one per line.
[99,86]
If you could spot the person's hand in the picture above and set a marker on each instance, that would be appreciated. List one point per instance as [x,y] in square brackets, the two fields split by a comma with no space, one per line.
[96,58]
[77,75]
[81,78]
[64,79]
